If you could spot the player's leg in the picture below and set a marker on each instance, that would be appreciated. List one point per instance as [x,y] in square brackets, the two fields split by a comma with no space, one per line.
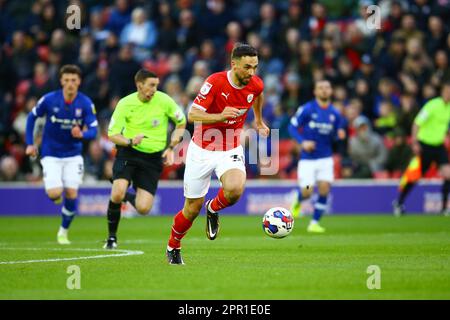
[118,191]
[230,169]
[306,181]
[319,207]
[444,170]
[233,184]
[145,180]
[182,222]
[72,175]
[418,166]
[68,212]
[123,171]
[52,176]
[144,201]
[197,178]
[445,173]
[325,176]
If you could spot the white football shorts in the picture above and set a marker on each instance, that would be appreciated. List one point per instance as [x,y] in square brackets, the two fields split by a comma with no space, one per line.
[311,171]
[201,163]
[63,172]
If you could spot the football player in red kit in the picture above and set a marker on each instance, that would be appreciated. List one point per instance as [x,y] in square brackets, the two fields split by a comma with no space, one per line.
[219,112]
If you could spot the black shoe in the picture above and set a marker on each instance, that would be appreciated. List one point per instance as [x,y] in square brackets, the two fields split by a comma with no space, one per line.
[212,222]
[111,243]
[174,256]
[399,209]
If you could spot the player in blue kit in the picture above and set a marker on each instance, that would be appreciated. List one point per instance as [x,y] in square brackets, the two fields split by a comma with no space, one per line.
[315,126]
[70,117]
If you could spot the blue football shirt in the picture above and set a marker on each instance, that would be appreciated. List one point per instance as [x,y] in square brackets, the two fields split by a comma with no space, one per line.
[318,124]
[61,116]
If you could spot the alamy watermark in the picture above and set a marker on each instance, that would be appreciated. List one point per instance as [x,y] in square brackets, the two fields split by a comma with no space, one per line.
[73,17]
[260,150]
[374,19]
[74,280]
[374,280]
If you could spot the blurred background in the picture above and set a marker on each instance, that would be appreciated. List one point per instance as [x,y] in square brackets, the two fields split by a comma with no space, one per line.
[385,74]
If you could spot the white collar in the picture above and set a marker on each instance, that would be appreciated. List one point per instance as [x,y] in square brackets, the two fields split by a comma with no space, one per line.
[231,81]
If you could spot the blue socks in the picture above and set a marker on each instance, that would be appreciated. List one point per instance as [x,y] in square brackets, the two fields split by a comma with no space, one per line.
[319,207]
[68,212]
[299,195]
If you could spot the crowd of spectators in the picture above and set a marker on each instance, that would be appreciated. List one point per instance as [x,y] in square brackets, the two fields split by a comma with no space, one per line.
[381,77]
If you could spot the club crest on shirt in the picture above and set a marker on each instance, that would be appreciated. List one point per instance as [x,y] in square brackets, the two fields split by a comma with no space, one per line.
[332,118]
[78,112]
[55,109]
[155,122]
[205,88]
[250,97]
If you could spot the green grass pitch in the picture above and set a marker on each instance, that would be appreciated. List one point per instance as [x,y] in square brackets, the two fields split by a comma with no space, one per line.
[412,252]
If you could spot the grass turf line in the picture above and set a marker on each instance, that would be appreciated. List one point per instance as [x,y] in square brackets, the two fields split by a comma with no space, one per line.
[413,253]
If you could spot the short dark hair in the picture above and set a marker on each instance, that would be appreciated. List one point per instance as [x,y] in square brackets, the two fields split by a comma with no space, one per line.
[143,74]
[242,50]
[70,68]
[322,80]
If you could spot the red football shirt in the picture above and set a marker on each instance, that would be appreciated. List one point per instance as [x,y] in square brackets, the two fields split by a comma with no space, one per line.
[218,91]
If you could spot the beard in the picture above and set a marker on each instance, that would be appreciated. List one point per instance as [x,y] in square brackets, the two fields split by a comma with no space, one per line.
[243,81]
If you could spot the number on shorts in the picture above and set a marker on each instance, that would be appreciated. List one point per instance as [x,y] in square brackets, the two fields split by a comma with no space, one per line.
[236,158]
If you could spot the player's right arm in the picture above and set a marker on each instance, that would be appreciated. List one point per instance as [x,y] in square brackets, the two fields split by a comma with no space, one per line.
[198,115]
[420,119]
[117,125]
[298,121]
[38,111]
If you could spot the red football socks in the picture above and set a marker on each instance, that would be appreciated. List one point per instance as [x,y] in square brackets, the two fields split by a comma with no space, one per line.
[219,202]
[179,229]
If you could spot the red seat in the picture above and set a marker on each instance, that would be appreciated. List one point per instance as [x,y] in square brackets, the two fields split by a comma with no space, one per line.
[381,175]
[286,146]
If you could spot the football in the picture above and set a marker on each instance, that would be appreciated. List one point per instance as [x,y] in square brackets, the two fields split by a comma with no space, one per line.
[278,222]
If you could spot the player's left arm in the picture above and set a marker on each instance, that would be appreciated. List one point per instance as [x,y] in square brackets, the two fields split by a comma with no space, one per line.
[263,129]
[91,124]
[340,126]
[177,116]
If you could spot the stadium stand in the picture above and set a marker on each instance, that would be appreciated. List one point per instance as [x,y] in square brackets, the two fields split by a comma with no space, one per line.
[385,75]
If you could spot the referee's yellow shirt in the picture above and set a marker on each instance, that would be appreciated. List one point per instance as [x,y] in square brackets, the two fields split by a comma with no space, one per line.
[433,122]
[132,117]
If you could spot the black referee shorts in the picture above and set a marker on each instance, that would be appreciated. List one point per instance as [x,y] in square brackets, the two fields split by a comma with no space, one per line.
[430,154]
[141,169]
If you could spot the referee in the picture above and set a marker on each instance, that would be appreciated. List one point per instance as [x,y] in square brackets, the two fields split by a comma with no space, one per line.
[429,131]
[138,127]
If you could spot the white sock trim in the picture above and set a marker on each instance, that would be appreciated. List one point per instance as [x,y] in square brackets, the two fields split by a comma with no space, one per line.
[209,207]
[66,212]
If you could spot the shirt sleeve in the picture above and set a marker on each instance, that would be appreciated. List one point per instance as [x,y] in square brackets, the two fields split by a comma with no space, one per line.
[91,121]
[297,122]
[38,111]
[174,112]
[41,107]
[89,118]
[118,119]
[300,117]
[205,97]
[423,115]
